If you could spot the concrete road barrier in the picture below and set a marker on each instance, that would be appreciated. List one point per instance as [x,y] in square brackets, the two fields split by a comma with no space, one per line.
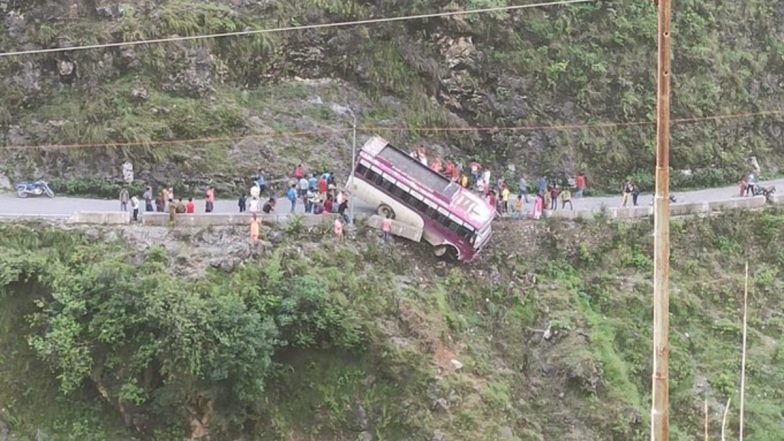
[689,208]
[576,214]
[101,217]
[776,199]
[633,212]
[202,220]
[738,203]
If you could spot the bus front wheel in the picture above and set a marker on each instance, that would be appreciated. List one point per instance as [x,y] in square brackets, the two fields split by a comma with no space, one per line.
[445,251]
[385,210]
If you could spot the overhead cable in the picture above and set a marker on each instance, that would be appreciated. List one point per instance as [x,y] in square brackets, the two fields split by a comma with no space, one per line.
[373,129]
[292,28]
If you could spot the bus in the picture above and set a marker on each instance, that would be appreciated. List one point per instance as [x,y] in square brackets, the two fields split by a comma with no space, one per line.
[454,220]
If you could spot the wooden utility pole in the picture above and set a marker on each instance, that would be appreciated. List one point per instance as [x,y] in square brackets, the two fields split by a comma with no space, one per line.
[660,406]
[743,357]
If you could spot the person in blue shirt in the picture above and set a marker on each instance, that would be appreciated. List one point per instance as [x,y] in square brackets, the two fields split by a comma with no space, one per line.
[291,195]
[541,185]
[261,182]
[313,183]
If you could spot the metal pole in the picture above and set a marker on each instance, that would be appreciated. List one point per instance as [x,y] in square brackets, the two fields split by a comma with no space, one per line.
[660,406]
[353,165]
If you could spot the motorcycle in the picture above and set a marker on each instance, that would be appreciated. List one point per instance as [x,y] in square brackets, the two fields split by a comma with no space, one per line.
[37,188]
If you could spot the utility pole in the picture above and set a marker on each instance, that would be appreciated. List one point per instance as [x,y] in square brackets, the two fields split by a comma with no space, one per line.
[660,406]
[353,165]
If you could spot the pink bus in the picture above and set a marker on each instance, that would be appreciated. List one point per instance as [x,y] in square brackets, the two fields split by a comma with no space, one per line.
[452,219]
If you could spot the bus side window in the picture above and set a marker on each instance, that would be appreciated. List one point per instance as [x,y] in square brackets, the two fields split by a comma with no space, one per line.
[387,185]
[362,170]
[375,177]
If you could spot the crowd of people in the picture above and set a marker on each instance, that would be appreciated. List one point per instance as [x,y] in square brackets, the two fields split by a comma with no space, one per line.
[473,176]
[317,193]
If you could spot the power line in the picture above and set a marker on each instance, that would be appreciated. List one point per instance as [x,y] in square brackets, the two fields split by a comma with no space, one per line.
[371,129]
[294,28]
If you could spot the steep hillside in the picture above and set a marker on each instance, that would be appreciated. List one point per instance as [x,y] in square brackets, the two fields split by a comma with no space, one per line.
[253,97]
[153,334]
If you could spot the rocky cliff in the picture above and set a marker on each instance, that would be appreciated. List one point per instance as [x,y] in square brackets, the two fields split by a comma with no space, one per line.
[274,100]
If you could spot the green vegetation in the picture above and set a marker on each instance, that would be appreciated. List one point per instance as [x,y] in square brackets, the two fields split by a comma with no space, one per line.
[560,65]
[323,341]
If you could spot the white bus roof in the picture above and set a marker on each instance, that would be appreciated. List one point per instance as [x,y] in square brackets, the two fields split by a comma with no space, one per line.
[374,145]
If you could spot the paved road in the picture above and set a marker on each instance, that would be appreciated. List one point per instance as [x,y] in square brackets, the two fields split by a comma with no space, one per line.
[66,206]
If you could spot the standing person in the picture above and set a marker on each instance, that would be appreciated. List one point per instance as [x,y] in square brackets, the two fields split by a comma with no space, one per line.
[580,184]
[522,188]
[342,209]
[170,193]
[291,195]
[242,202]
[751,182]
[260,181]
[310,199]
[210,200]
[328,204]
[180,206]
[124,197]
[147,196]
[302,186]
[492,200]
[518,208]
[536,213]
[635,194]
[386,227]
[299,172]
[627,192]
[541,185]
[323,186]
[172,212]
[505,198]
[743,187]
[190,207]
[464,182]
[554,197]
[135,208]
[337,227]
[160,202]
[255,229]
[253,205]
[566,198]
[474,167]
[313,183]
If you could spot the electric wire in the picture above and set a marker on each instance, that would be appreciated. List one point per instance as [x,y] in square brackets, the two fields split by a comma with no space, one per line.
[293,28]
[374,129]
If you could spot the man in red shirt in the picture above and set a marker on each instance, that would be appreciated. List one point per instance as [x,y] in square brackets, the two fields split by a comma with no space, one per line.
[299,172]
[190,207]
[580,184]
[322,188]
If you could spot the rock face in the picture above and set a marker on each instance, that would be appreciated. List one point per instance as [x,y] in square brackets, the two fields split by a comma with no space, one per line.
[529,80]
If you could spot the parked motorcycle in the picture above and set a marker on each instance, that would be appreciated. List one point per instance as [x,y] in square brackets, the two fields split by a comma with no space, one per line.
[38,188]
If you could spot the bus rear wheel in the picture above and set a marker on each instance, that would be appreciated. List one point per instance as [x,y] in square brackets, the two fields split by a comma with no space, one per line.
[385,210]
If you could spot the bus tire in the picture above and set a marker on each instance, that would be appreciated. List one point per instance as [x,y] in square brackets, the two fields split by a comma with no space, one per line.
[385,210]
[445,252]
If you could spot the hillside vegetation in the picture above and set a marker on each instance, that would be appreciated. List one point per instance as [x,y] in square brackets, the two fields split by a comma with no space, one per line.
[280,98]
[157,334]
